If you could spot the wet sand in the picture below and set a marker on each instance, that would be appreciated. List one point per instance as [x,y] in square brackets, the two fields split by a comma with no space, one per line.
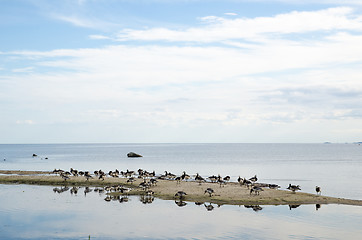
[231,193]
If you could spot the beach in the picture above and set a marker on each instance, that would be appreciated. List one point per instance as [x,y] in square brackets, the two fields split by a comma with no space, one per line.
[231,193]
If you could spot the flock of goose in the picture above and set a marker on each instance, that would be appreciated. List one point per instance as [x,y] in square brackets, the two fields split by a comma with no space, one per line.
[150,179]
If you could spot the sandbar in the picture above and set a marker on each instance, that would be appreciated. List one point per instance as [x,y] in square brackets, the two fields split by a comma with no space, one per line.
[232,193]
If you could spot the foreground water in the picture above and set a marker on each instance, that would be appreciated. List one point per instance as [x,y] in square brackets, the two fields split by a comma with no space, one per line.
[40,212]
[335,167]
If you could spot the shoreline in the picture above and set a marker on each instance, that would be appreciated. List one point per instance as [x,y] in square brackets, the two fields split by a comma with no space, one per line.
[231,193]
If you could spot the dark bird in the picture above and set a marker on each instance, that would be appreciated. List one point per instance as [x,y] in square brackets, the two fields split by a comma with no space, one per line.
[240,180]
[185,176]
[253,179]
[273,186]
[180,194]
[256,190]
[199,179]
[318,190]
[293,187]
[210,191]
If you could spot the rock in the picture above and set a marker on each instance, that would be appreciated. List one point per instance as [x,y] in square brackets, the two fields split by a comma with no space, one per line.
[132,154]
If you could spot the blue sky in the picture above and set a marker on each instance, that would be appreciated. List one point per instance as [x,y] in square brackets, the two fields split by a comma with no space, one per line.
[180,71]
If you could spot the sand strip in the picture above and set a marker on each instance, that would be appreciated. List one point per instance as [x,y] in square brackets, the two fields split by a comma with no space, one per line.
[231,193]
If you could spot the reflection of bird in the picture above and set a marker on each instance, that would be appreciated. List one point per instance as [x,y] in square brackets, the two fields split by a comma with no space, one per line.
[254,207]
[180,203]
[180,194]
[318,190]
[317,206]
[209,207]
[293,187]
[210,191]
[293,206]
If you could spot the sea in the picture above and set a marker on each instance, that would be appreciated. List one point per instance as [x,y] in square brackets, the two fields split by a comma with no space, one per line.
[54,212]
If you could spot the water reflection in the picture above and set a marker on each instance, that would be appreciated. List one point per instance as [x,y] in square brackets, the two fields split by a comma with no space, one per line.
[256,208]
[32,212]
[293,206]
[180,203]
[120,193]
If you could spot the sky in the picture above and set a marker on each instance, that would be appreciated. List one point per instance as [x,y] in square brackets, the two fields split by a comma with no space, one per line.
[180,71]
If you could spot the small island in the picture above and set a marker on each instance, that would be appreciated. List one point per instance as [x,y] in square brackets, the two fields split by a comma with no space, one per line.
[230,193]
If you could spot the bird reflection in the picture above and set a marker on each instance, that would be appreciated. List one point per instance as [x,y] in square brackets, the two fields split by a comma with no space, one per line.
[180,203]
[317,206]
[293,206]
[74,190]
[146,199]
[87,190]
[209,207]
[60,190]
[255,208]
[199,203]
[123,199]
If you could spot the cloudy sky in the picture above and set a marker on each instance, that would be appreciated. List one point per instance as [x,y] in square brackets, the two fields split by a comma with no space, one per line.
[128,71]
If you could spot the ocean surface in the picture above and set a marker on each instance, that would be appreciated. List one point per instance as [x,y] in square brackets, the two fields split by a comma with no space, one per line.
[38,212]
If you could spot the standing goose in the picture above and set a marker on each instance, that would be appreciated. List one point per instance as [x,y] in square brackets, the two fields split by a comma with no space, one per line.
[318,190]
[293,187]
[210,191]
[253,179]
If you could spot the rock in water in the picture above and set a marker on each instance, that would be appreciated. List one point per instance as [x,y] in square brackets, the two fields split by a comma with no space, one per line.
[132,154]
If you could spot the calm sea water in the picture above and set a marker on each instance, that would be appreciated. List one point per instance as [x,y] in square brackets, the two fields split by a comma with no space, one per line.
[37,212]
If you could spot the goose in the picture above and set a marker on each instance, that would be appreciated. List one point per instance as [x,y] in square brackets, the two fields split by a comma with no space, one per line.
[65,177]
[247,182]
[256,190]
[178,180]
[210,191]
[153,181]
[226,179]
[199,179]
[131,180]
[293,187]
[180,194]
[240,180]
[318,190]
[253,179]
[273,186]
[213,178]
[87,176]
[185,176]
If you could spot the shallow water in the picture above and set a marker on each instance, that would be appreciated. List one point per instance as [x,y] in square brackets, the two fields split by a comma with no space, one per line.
[334,167]
[37,212]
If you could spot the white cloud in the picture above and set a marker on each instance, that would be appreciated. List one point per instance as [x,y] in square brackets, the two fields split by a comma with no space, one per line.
[23,70]
[231,14]
[253,29]
[27,122]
